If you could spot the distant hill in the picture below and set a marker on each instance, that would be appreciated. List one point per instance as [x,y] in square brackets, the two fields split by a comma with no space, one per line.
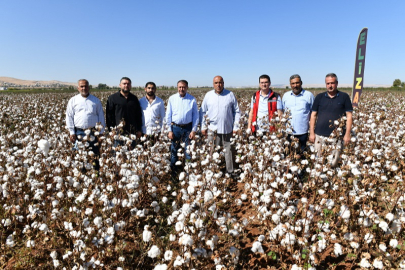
[13,82]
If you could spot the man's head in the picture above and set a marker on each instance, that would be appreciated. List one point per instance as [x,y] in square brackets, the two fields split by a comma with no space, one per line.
[331,82]
[125,85]
[150,89]
[182,87]
[83,87]
[218,83]
[296,84]
[264,82]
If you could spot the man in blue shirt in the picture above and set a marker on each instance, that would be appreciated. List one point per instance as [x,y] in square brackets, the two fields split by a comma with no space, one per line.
[220,114]
[182,121]
[328,107]
[299,102]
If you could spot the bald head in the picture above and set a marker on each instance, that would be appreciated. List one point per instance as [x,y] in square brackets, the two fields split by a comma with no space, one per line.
[218,83]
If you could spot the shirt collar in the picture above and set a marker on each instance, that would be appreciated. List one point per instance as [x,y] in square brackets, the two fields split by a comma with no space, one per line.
[300,94]
[337,94]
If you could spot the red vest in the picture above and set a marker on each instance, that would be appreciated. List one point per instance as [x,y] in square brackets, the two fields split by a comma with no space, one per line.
[271,105]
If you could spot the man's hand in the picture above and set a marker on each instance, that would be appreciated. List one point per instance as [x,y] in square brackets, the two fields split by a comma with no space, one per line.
[204,132]
[73,138]
[170,135]
[346,139]
[192,135]
[312,137]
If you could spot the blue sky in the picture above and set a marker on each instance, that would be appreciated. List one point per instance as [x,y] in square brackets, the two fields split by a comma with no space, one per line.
[164,41]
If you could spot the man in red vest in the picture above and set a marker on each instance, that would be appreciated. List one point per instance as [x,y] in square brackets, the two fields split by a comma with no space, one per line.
[264,105]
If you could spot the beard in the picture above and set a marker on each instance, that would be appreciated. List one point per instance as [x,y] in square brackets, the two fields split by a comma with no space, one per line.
[297,91]
[150,94]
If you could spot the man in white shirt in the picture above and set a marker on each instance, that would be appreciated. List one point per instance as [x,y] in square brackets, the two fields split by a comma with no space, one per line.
[85,117]
[220,115]
[153,111]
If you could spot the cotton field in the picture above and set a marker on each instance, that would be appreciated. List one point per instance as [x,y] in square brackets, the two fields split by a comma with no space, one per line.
[57,212]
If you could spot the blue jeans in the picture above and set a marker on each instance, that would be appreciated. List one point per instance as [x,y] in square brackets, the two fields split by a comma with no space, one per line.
[180,135]
[122,143]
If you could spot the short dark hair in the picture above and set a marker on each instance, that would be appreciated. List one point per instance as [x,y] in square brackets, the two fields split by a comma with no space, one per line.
[295,76]
[83,80]
[333,75]
[152,83]
[183,81]
[126,78]
[265,76]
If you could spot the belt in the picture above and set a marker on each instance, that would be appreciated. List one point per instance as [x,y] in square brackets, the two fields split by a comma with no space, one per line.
[80,129]
[182,126]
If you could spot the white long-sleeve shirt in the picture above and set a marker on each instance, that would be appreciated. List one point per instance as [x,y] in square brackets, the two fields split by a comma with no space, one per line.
[152,115]
[82,112]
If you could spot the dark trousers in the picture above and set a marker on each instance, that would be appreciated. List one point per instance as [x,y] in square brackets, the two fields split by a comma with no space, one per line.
[92,146]
[303,138]
[180,135]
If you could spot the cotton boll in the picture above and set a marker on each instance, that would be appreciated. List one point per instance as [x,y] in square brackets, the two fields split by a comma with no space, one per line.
[337,250]
[44,146]
[154,252]
[257,247]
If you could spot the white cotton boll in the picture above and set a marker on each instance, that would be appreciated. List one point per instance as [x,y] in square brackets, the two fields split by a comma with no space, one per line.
[146,235]
[160,267]
[54,255]
[261,238]
[344,212]
[168,255]
[389,216]
[354,245]
[56,263]
[55,203]
[233,232]
[98,221]
[208,196]
[182,176]
[44,228]
[178,262]
[211,244]
[30,243]
[164,199]
[257,247]
[294,169]
[364,263]
[394,243]
[368,237]
[382,246]
[186,240]
[337,250]
[383,225]
[178,163]
[243,197]
[44,146]
[275,218]
[172,237]
[378,264]
[10,241]
[154,252]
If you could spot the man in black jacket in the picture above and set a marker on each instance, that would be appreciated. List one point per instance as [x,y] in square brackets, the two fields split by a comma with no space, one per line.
[124,106]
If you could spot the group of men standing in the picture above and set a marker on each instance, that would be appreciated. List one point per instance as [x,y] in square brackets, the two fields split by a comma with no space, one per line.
[218,116]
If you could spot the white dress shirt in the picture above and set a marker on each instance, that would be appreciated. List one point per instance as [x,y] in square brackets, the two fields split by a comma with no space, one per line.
[153,114]
[84,113]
